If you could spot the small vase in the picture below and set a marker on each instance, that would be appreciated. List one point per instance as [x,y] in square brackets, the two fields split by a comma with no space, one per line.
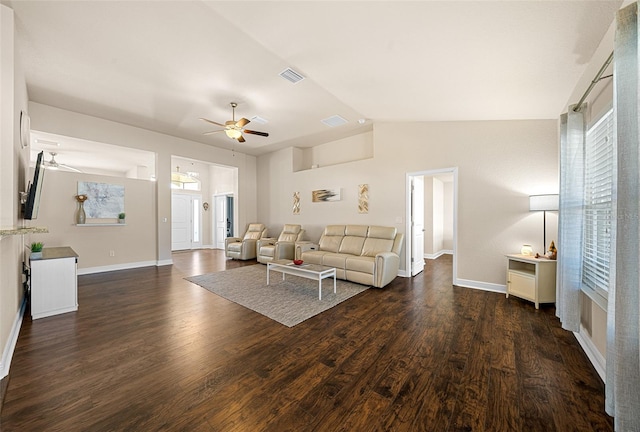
[81,217]
[120,221]
[36,255]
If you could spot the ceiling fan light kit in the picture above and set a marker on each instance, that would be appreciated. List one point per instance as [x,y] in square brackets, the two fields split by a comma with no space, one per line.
[232,128]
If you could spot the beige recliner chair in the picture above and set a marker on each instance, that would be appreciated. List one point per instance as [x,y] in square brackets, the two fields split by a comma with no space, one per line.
[245,248]
[271,249]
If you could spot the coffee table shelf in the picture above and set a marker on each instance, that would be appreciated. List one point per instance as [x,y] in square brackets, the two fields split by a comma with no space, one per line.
[307,271]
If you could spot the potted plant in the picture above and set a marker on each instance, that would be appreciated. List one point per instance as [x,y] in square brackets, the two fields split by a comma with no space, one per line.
[121,217]
[36,250]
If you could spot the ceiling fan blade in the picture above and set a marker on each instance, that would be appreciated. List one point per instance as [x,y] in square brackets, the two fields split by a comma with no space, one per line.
[212,122]
[242,122]
[212,132]
[70,168]
[241,139]
[264,134]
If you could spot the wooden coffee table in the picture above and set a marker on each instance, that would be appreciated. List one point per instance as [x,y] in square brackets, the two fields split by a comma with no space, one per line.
[307,271]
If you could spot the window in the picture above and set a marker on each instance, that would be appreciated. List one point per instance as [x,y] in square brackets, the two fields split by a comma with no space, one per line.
[598,206]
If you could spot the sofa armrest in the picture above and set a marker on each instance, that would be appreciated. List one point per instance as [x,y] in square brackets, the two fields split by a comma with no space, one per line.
[265,241]
[285,250]
[387,266]
[231,240]
[303,246]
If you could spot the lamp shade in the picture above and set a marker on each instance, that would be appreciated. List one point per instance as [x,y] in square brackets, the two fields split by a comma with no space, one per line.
[543,202]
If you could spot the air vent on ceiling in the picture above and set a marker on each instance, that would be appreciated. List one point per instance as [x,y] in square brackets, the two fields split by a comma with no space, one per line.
[334,121]
[259,120]
[291,75]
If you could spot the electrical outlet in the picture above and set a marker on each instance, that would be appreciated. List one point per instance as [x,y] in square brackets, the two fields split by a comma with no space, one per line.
[112,253]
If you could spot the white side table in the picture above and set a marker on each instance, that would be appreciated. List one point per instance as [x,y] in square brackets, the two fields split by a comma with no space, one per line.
[531,278]
[54,282]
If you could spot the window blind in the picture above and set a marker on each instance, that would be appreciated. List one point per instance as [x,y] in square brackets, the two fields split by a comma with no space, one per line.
[599,160]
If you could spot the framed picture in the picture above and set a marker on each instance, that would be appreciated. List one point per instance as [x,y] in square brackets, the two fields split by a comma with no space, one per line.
[323,195]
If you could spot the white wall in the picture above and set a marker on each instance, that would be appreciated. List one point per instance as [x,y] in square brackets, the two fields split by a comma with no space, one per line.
[54,120]
[500,164]
[132,244]
[13,171]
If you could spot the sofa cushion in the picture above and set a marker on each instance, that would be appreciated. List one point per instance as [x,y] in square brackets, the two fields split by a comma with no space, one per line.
[332,237]
[363,264]
[379,239]
[234,247]
[313,256]
[356,230]
[335,260]
[373,246]
[388,233]
[267,251]
[289,233]
[351,245]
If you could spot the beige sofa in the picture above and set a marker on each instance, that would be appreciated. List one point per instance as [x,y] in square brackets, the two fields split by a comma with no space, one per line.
[369,255]
[245,248]
[271,249]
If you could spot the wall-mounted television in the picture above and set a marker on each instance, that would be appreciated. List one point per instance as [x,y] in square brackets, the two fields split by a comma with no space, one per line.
[35,189]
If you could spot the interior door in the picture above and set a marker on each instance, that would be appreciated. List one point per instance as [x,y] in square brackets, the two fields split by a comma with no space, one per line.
[180,221]
[417,225]
[186,223]
[220,222]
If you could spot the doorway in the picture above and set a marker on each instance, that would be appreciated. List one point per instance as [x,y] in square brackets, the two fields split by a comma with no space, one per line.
[431,217]
[186,221]
[223,222]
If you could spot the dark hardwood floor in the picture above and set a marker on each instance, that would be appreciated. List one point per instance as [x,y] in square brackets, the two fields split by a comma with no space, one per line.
[149,351]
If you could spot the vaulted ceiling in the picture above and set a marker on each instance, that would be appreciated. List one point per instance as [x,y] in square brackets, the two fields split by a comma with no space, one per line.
[162,65]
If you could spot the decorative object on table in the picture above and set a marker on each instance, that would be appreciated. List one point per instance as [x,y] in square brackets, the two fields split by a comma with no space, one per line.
[526,250]
[322,195]
[81,216]
[543,203]
[552,253]
[297,262]
[121,217]
[296,203]
[36,250]
[363,198]
[205,206]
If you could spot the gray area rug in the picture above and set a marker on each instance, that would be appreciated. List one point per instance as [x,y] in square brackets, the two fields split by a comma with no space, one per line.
[289,302]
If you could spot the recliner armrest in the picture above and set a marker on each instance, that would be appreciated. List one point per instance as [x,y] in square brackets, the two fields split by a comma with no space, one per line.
[303,246]
[266,241]
[231,240]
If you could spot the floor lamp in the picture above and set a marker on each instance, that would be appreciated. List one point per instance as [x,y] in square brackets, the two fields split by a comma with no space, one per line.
[543,203]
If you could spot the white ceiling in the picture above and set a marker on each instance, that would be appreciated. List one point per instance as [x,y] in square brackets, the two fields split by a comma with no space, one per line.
[161,65]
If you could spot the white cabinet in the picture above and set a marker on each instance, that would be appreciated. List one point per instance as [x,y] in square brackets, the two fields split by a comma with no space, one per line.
[531,278]
[54,282]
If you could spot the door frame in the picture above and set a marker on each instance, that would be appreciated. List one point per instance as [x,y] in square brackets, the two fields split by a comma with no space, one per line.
[408,240]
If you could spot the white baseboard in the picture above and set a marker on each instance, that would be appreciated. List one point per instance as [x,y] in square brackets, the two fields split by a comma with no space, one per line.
[164,262]
[438,254]
[484,286]
[597,360]
[124,266]
[7,353]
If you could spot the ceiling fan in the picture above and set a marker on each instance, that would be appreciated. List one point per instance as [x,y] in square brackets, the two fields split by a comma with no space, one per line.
[53,164]
[233,128]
